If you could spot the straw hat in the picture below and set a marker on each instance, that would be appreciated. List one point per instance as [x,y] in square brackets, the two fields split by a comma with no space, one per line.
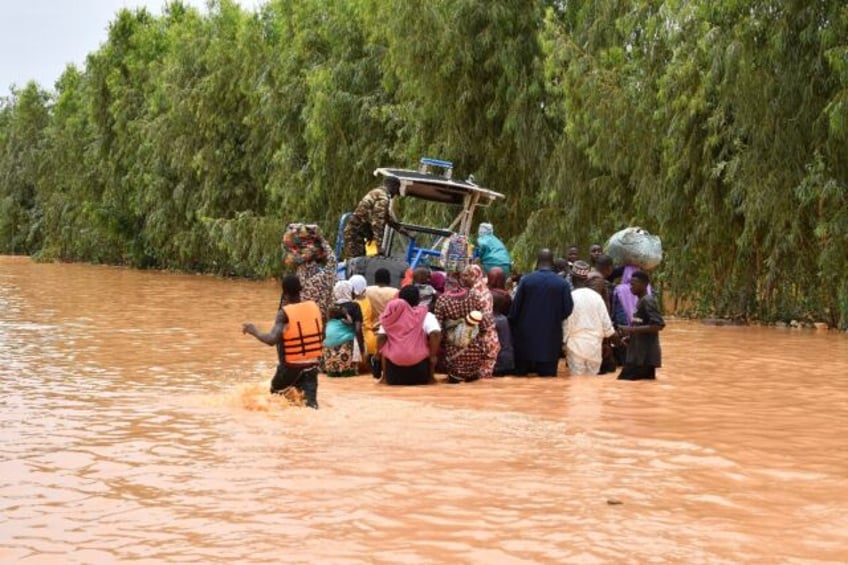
[474,318]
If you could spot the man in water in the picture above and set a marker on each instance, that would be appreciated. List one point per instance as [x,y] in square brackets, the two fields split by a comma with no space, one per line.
[643,350]
[588,325]
[595,251]
[297,333]
[369,219]
[541,303]
[598,282]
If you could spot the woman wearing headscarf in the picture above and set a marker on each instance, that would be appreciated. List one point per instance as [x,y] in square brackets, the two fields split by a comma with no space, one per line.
[409,340]
[437,280]
[465,329]
[310,257]
[359,285]
[502,300]
[339,357]
[491,341]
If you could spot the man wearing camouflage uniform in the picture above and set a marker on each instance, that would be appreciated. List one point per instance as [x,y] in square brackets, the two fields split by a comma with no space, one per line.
[368,220]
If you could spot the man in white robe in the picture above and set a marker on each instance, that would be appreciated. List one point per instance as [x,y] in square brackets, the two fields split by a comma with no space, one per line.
[584,331]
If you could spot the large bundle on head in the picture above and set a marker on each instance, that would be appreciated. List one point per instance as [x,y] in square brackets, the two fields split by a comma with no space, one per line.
[303,243]
[635,246]
[455,253]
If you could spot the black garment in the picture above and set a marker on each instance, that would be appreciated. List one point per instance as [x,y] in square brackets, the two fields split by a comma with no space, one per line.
[619,355]
[418,374]
[543,369]
[304,379]
[608,360]
[541,303]
[376,367]
[505,363]
[644,349]
[637,373]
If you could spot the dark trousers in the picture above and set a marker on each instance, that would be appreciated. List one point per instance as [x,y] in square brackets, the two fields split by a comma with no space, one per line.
[304,379]
[608,359]
[637,373]
[418,374]
[541,368]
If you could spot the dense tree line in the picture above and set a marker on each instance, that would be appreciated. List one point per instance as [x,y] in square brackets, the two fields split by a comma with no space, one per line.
[189,139]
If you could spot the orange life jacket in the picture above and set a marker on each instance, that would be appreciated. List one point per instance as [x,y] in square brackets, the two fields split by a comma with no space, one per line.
[303,334]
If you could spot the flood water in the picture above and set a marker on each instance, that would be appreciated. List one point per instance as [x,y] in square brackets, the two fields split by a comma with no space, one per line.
[134,428]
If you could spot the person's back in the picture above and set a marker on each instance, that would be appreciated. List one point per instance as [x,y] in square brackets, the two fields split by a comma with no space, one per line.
[409,337]
[379,294]
[297,334]
[589,314]
[368,219]
[541,303]
[300,344]
[491,250]
[584,332]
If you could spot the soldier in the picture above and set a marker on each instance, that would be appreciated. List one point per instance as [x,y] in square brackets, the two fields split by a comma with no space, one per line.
[369,219]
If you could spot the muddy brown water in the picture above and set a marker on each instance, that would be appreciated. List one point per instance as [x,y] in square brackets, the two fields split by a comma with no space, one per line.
[135,428]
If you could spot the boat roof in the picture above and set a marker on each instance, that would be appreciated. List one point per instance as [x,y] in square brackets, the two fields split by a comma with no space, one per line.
[436,188]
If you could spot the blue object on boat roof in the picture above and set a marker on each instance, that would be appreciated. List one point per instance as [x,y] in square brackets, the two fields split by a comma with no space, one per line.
[436,162]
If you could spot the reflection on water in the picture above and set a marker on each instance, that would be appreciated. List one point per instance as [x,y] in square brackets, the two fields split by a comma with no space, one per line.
[134,426]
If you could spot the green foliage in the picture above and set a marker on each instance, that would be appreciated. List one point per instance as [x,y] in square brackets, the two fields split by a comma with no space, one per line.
[190,139]
[23,118]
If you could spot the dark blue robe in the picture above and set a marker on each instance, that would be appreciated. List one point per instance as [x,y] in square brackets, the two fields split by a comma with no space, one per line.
[542,301]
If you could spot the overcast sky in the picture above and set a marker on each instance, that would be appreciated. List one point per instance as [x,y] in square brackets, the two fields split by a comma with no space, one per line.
[39,38]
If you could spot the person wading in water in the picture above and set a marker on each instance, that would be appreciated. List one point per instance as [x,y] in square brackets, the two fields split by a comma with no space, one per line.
[297,333]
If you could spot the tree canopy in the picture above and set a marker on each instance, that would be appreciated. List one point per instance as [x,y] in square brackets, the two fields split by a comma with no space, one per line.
[189,139]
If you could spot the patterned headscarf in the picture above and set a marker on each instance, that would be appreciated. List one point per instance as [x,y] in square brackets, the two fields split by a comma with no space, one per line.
[343,292]
[480,288]
[453,285]
[479,277]
[304,243]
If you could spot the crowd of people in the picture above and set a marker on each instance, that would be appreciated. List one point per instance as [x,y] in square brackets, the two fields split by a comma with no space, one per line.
[474,320]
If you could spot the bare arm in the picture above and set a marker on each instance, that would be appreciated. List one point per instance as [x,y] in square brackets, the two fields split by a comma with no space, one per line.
[381,341]
[360,337]
[434,340]
[274,335]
